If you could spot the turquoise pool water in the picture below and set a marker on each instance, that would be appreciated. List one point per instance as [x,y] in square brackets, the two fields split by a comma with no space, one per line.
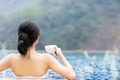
[87,66]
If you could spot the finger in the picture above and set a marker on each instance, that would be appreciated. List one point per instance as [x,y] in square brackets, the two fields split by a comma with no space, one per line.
[55,51]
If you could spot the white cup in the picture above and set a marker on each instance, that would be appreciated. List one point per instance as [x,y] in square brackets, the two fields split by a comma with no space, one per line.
[50,48]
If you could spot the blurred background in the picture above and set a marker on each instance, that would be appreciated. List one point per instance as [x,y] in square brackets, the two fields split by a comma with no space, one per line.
[70,24]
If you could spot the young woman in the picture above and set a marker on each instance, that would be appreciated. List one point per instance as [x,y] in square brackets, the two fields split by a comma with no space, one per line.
[28,62]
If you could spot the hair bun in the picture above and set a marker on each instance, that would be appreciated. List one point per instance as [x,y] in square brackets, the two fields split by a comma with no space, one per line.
[23,43]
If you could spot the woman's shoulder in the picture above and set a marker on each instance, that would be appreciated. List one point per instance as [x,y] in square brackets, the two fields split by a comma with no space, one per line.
[11,56]
[45,55]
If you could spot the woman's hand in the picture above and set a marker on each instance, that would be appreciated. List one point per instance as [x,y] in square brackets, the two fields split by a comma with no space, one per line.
[58,52]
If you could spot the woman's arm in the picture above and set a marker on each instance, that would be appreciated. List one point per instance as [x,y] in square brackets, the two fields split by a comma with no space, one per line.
[64,60]
[64,70]
[5,63]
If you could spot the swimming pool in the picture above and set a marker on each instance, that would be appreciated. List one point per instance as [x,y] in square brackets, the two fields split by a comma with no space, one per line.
[87,66]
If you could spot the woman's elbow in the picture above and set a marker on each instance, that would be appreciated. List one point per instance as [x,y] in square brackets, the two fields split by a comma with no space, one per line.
[72,77]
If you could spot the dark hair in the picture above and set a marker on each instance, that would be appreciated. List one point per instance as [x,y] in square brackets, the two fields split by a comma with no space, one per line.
[28,32]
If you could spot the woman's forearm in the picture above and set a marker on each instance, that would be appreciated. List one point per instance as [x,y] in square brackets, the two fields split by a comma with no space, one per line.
[65,62]
[58,52]
[67,65]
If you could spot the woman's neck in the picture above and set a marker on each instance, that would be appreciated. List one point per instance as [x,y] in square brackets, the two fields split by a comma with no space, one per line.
[31,50]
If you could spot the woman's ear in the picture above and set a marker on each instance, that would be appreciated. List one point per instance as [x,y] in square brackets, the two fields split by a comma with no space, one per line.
[37,40]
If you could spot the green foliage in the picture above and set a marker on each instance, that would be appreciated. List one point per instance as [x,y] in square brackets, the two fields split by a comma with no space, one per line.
[71,24]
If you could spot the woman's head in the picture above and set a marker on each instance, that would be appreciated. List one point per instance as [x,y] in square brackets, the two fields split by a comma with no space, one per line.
[28,33]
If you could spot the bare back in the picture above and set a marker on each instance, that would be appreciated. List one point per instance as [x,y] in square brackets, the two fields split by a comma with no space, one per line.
[36,65]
